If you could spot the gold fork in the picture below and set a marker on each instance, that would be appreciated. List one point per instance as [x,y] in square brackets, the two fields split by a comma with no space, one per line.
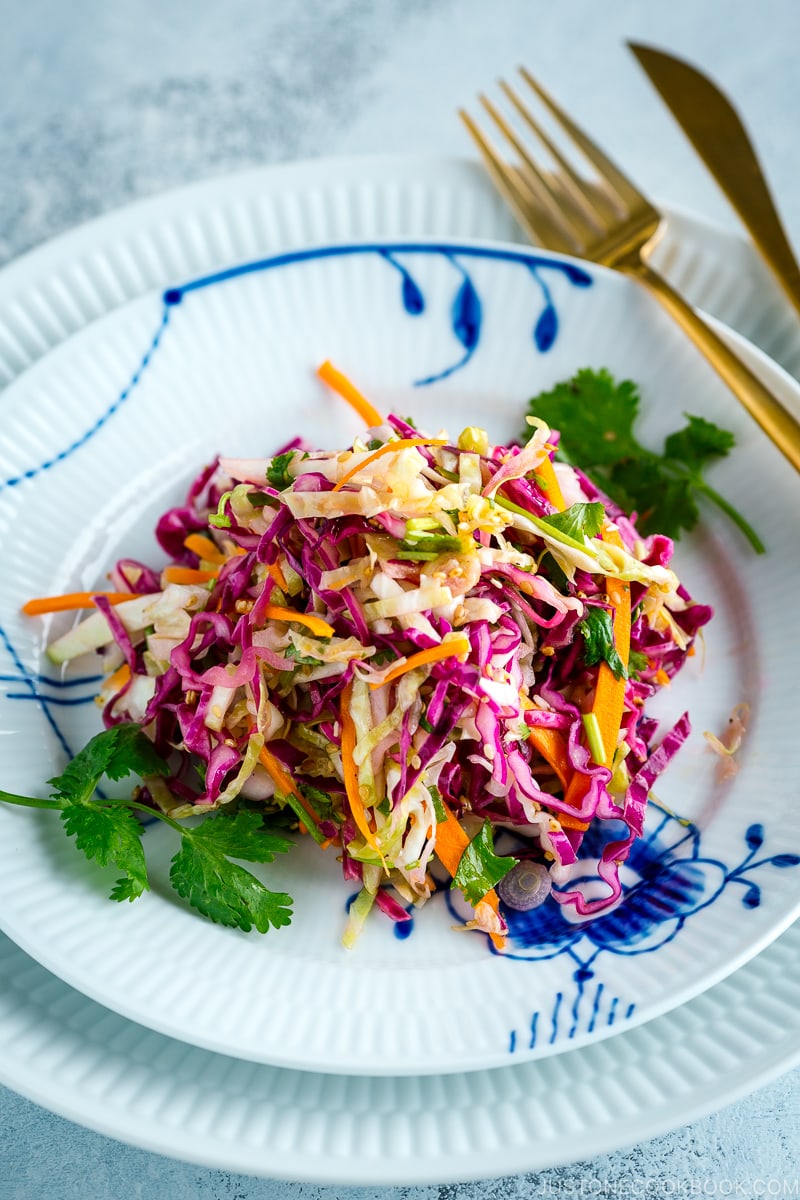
[612,223]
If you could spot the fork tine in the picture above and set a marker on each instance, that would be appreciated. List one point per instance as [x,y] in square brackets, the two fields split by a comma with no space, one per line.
[578,191]
[548,197]
[628,194]
[523,201]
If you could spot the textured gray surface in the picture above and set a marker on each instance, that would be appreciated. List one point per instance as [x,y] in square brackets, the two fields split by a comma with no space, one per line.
[748,1150]
[104,103]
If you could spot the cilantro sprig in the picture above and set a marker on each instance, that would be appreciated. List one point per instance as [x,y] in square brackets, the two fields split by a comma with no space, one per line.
[202,871]
[595,416]
[479,868]
[597,629]
[277,473]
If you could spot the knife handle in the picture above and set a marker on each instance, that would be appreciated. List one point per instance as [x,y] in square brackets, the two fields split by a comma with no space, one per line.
[776,421]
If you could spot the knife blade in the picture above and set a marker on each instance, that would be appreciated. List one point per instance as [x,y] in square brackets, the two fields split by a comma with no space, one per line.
[717,133]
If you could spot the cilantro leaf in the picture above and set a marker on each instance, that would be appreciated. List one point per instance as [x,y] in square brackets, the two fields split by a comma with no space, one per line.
[222,890]
[699,442]
[240,835]
[277,475]
[116,752]
[305,660]
[479,868]
[665,503]
[597,628]
[637,662]
[578,520]
[319,801]
[595,416]
[109,834]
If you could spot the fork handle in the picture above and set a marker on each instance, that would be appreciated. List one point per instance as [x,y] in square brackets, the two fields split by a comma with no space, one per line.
[776,421]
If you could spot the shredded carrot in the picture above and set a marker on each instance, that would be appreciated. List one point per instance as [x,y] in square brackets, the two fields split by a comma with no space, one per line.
[50,604]
[387,448]
[204,548]
[350,771]
[451,842]
[284,782]
[661,677]
[188,575]
[550,744]
[552,488]
[118,679]
[568,822]
[341,384]
[277,576]
[610,693]
[451,649]
[315,624]
[609,696]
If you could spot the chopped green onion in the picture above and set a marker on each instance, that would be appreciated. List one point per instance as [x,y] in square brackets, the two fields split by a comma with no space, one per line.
[219,519]
[594,737]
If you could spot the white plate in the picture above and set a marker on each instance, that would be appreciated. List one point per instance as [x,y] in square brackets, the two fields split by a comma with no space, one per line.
[734,1038]
[105,432]
[90,1065]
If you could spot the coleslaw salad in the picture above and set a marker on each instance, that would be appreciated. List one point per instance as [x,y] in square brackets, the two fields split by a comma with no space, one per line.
[409,649]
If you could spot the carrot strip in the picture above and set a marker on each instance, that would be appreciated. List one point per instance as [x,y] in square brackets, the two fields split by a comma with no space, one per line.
[609,696]
[187,575]
[204,548]
[661,677]
[341,384]
[552,488]
[277,576]
[50,604]
[315,624]
[387,448]
[350,771]
[451,649]
[451,842]
[118,679]
[568,822]
[284,782]
[550,744]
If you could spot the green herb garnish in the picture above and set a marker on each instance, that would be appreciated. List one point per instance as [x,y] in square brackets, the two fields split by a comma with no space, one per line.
[595,416]
[321,802]
[108,833]
[597,628]
[579,520]
[277,475]
[479,868]
[637,662]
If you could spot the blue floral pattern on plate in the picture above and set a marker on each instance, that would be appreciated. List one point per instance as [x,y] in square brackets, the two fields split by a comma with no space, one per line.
[667,881]
[466,313]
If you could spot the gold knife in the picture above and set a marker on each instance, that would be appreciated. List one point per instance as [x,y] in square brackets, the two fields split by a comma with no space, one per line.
[716,131]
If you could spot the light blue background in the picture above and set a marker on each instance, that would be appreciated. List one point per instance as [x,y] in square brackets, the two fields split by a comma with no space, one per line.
[106,102]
